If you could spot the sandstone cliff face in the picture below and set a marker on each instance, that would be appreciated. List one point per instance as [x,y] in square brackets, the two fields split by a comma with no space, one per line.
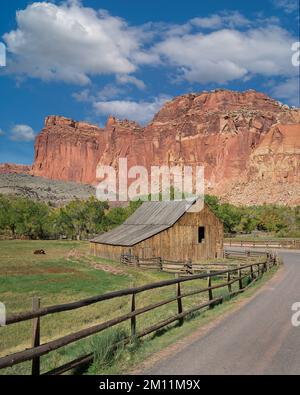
[273,171]
[67,150]
[277,158]
[240,138]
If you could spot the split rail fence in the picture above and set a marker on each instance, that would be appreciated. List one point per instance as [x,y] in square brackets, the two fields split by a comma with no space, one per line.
[244,275]
[188,267]
[284,243]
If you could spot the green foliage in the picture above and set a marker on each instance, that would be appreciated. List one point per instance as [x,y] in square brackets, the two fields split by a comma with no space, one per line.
[282,221]
[24,217]
[230,215]
[83,219]
[80,219]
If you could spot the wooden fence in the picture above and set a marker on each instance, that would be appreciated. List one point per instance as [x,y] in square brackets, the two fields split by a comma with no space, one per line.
[243,275]
[284,243]
[188,267]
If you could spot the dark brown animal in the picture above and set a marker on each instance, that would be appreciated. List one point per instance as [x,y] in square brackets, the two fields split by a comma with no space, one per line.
[39,252]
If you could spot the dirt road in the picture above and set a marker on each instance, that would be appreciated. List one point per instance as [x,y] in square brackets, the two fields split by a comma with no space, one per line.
[259,338]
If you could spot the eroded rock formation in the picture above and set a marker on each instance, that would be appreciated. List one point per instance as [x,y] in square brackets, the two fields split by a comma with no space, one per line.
[242,139]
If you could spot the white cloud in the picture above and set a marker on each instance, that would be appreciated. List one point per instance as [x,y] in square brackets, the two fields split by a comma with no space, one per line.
[216,21]
[139,111]
[82,96]
[289,91]
[70,42]
[129,79]
[288,6]
[22,133]
[109,91]
[1,132]
[2,55]
[228,54]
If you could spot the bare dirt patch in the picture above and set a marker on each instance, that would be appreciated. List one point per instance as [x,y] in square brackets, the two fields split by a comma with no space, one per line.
[108,269]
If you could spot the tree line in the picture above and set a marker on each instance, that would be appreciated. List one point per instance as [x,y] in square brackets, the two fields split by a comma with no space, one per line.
[79,219]
[83,219]
[281,221]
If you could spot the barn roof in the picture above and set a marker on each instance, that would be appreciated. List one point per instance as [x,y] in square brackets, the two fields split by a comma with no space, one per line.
[148,220]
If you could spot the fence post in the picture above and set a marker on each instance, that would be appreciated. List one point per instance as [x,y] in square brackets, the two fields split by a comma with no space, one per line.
[240,278]
[251,273]
[160,262]
[35,370]
[137,261]
[267,264]
[259,270]
[179,300]
[188,266]
[228,281]
[133,319]
[210,292]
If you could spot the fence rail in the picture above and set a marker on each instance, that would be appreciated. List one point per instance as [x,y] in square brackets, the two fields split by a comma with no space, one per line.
[188,267]
[233,274]
[284,243]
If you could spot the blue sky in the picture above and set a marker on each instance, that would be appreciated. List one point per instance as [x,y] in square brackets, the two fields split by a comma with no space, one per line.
[88,59]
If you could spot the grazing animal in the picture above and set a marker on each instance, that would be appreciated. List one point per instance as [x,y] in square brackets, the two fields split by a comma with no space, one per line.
[39,252]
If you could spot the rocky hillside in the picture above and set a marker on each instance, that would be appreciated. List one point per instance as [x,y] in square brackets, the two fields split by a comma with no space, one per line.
[11,168]
[248,143]
[56,193]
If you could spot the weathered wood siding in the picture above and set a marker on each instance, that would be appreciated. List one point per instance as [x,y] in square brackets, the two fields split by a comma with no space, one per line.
[180,242]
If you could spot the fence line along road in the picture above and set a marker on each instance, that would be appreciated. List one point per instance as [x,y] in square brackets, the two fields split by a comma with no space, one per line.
[284,243]
[243,275]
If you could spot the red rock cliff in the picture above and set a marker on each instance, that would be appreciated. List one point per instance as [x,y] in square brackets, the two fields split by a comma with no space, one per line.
[230,133]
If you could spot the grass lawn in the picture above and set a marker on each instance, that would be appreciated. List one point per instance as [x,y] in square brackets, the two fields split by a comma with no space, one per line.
[68,273]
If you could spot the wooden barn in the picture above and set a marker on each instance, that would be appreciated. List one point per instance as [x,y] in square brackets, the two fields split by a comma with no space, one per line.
[170,230]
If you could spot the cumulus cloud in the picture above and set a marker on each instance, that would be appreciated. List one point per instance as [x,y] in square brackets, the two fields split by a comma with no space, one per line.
[2,55]
[109,91]
[288,90]
[288,6]
[82,96]
[129,79]
[70,42]
[228,54]
[225,19]
[73,43]
[140,111]
[22,133]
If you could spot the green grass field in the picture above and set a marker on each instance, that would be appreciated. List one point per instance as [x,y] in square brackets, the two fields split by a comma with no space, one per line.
[68,273]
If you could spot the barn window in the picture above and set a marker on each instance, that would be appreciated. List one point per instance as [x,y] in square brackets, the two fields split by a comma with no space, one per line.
[201,234]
